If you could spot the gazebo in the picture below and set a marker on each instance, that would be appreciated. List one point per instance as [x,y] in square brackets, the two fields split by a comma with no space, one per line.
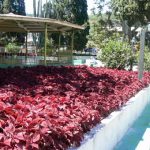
[25,24]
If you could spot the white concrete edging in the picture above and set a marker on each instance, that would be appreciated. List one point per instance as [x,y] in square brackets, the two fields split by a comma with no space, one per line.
[111,129]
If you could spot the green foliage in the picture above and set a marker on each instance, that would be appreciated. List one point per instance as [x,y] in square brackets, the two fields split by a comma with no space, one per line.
[67,10]
[6,6]
[38,38]
[147,59]
[130,10]
[72,11]
[117,54]
[99,30]
[16,7]
[101,23]
[1,6]
[13,6]
[80,16]
[12,48]
[130,13]
[49,49]
[147,62]
[6,38]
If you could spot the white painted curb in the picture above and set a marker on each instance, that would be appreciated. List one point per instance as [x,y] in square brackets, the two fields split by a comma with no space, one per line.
[111,129]
[144,144]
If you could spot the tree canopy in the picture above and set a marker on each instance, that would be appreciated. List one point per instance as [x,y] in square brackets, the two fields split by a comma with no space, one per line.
[131,11]
[16,7]
[72,11]
[100,23]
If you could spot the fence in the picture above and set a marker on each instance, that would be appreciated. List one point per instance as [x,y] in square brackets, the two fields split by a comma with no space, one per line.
[54,56]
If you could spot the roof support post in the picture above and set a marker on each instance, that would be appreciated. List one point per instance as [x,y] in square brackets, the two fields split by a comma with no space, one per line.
[72,45]
[45,44]
[59,42]
[26,44]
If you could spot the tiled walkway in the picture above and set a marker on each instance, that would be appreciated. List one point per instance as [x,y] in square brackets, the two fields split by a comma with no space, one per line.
[138,136]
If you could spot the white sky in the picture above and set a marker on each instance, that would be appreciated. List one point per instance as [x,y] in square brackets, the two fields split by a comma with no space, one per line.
[29,5]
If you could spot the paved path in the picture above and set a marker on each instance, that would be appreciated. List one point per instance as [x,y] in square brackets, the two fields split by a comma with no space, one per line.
[138,136]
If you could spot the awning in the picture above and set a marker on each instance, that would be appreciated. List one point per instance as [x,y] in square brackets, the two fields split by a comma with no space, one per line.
[17,23]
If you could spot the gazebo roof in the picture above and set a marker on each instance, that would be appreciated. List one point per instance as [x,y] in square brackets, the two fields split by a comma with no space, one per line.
[17,23]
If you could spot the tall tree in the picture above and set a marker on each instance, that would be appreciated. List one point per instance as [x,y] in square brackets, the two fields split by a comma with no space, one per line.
[21,8]
[16,7]
[37,12]
[99,31]
[1,6]
[79,16]
[100,23]
[6,6]
[72,11]
[130,12]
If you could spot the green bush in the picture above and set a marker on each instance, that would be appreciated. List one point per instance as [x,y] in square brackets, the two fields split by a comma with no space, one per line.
[12,48]
[117,54]
[147,59]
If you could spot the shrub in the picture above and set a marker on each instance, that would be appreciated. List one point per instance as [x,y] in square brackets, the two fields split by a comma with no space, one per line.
[117,54]
[12,48]
[147,59]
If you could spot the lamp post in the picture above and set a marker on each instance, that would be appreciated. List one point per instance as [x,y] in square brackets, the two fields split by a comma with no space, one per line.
[141,4]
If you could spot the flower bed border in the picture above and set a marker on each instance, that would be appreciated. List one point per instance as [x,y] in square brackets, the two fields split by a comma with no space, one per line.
[111,129]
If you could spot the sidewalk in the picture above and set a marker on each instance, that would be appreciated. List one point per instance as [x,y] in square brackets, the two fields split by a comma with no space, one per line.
[138,136]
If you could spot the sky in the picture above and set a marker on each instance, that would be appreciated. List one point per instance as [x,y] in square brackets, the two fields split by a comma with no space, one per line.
[29,6]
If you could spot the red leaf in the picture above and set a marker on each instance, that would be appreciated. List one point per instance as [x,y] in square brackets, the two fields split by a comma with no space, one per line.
[62,99]
[36,137]
[27,99]
[19,106]
[54,105]
[7,142]
[71,101]
[19,136]
[2,123]
[2,105]
[35,145]
[19,119]
[10,111]
[35,122]
[1,136]
[41,105]
[10,128]
[53,98]
[44,130]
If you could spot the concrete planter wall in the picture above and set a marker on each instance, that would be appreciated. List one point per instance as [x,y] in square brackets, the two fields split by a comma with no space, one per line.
[107,134]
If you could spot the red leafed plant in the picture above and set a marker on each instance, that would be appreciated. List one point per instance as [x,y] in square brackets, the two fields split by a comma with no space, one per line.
[52,107]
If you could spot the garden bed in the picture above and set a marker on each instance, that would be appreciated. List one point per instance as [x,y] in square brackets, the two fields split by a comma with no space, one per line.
[107,134]
[53,107]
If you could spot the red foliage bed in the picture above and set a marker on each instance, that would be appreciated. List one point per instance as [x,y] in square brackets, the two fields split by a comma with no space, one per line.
[52,107]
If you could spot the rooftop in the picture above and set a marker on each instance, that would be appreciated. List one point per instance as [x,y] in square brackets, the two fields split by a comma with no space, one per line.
[17,23]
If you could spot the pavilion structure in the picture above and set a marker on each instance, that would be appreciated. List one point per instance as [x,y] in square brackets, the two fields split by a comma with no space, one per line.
[26,24]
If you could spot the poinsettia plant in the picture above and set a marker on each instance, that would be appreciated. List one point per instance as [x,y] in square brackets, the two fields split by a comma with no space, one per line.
[52,107]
